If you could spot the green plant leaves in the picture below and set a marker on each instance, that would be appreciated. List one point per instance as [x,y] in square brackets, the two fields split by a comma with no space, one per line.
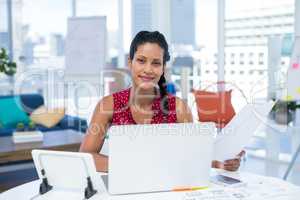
[6,66]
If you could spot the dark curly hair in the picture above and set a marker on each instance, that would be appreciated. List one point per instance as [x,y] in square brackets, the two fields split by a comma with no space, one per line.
[156,37]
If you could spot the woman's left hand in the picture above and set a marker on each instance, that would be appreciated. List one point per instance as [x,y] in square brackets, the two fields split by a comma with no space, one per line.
[233,164]
[230,165]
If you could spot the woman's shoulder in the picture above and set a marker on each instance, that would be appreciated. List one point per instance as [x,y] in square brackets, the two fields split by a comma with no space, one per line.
[183,111]
[109,102]
[105,104]
[179,101]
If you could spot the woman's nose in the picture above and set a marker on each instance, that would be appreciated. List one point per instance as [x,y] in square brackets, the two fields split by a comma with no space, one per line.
[148,68]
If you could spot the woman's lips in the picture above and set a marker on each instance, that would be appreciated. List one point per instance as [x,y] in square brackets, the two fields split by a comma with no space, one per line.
[146,78]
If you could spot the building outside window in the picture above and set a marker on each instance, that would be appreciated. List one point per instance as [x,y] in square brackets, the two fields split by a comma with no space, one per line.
[4,37]
[251,58]
[232,57]
[242,57]
[261,58]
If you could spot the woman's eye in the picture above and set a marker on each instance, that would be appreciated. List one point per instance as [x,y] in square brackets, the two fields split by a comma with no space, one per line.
[157,63]
[140,60]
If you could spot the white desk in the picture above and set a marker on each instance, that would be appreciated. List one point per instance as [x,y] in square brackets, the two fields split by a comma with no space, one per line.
[257,187]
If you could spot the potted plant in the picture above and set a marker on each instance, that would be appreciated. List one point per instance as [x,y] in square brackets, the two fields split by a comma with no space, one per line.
[31,126]
[20,127]
[283,111]
[7,66]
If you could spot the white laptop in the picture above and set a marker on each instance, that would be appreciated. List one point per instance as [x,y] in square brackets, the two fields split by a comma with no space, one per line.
[161,157]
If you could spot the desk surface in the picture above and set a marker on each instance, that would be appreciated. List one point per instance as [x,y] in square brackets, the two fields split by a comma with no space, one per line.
[256,188]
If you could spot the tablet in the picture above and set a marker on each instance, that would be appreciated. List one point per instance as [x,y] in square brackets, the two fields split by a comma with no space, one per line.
[68,171]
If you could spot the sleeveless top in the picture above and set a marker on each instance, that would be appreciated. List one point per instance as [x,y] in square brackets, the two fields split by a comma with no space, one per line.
[122,114]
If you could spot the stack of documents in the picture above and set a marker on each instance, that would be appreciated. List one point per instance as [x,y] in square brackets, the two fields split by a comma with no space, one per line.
[27,136]
[260,191]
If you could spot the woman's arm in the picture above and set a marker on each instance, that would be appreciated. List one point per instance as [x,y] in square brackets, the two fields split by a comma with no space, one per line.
[95,135]
[183,112]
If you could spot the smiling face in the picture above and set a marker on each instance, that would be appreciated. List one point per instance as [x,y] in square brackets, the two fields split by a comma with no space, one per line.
[147,66]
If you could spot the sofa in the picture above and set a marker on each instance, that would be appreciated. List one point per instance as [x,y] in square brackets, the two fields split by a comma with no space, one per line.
[30,102]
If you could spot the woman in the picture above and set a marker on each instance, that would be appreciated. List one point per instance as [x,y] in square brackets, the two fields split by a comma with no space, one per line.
[145,102]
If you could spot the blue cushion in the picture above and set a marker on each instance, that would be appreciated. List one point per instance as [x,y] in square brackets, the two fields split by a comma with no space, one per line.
[11,112]
[6,132]
[75,123]
[29,102]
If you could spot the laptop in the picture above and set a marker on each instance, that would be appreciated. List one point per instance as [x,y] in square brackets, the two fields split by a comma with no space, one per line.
[160,157]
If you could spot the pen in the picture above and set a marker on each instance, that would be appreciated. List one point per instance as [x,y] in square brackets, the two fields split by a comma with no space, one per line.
[188,189]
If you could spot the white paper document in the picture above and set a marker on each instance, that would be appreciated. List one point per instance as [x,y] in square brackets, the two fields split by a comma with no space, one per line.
[238,132]
[263,188]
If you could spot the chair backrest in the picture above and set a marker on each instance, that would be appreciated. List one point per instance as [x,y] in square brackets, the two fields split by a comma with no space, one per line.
[238,97]
[29,102]
[218,107]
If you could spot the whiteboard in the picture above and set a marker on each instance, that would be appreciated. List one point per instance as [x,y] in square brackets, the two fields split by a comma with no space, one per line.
[86,45]
[293,82]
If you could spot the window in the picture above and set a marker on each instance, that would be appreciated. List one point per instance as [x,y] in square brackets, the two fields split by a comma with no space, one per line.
[100,8]
[248,27]
[232,56]
[242,56]
[261,58]
[110,10]
[44,32]
[215,59]
[4,35]
[261,72]
[251,55]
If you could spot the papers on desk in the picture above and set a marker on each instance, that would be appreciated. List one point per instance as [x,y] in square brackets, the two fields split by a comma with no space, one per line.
[216,194]
[238,132]
[268,189]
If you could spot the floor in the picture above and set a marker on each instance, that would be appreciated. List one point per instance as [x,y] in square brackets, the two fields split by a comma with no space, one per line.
[12,176]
